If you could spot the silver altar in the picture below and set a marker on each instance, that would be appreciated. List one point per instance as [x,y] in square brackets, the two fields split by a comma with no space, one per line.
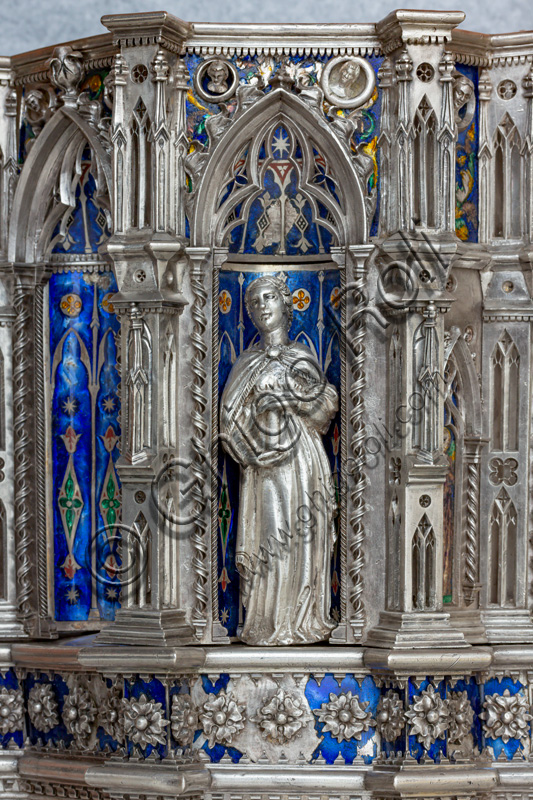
[425,685]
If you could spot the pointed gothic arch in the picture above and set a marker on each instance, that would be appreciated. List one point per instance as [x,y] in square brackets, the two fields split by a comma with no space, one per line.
[29,232]
[283,108]
[507,181]
[424,134]
[471,394]
[462,441]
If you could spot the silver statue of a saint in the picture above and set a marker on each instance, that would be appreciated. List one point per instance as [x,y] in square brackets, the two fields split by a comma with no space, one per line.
[275,408]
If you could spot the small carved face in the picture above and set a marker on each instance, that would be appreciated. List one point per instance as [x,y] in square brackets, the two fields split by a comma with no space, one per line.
[462,93]
[218,72]
[33,100]
[349,73]
[267,309]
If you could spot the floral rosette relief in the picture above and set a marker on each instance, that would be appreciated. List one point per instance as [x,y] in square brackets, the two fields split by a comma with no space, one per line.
[111,716]
[222,718]
[11,710]
[506,716]
[79,713]
[461,721]
[345,717]
[144,721]
[184,719]
[281,717]
[390,716]
[42,707]
[429,717]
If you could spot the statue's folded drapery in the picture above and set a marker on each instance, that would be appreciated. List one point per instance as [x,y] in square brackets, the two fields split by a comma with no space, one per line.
[274,409]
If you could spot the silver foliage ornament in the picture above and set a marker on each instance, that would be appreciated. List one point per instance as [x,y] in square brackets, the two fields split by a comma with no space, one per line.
[184,719]
[345,717]
[11,710]
[42,707]
[390,716]
[144,721]
[429,717]
[79,712]
[281,718]
[67,70]
[111,716]
[506,716]
[222,718]
[461,717]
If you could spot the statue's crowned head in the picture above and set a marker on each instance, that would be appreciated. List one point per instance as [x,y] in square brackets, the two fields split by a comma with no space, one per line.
[277,282]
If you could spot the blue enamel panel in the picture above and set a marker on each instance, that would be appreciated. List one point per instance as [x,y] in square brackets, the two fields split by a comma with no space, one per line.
[466,169]
[85,430]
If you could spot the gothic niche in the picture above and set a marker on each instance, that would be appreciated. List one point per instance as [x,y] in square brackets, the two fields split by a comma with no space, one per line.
[280,201]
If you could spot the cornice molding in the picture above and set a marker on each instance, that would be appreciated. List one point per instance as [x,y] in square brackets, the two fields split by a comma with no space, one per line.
[305,39]
[492,50]
[512,48]
[364,39]
[471,48]
[412,27]
[153,27]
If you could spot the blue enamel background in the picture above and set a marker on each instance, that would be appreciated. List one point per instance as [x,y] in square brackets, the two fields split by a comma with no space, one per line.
[81,360]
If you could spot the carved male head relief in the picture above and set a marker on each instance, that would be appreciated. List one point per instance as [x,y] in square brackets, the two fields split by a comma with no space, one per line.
[218,72]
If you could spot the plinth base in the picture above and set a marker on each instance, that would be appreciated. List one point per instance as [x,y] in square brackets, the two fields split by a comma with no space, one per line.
[146,626]
[470,623]
[508,625]
[415,630]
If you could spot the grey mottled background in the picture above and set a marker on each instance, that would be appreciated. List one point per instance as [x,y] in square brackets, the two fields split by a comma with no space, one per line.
[30,24]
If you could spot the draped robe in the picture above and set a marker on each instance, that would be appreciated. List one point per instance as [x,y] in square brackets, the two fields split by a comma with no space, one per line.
[287,502]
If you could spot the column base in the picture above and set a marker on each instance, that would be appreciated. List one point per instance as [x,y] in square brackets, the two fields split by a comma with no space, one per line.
[468,620]
[507,625]
[11,630]
[398,630]
[147,626]
[14,629]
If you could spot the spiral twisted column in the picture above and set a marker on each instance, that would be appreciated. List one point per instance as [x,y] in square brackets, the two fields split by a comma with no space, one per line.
[200,448]
[24,446]
[356,354]
[471,559]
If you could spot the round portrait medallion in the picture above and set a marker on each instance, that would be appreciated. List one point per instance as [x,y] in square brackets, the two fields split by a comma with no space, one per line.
[348,81]
[216,80]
